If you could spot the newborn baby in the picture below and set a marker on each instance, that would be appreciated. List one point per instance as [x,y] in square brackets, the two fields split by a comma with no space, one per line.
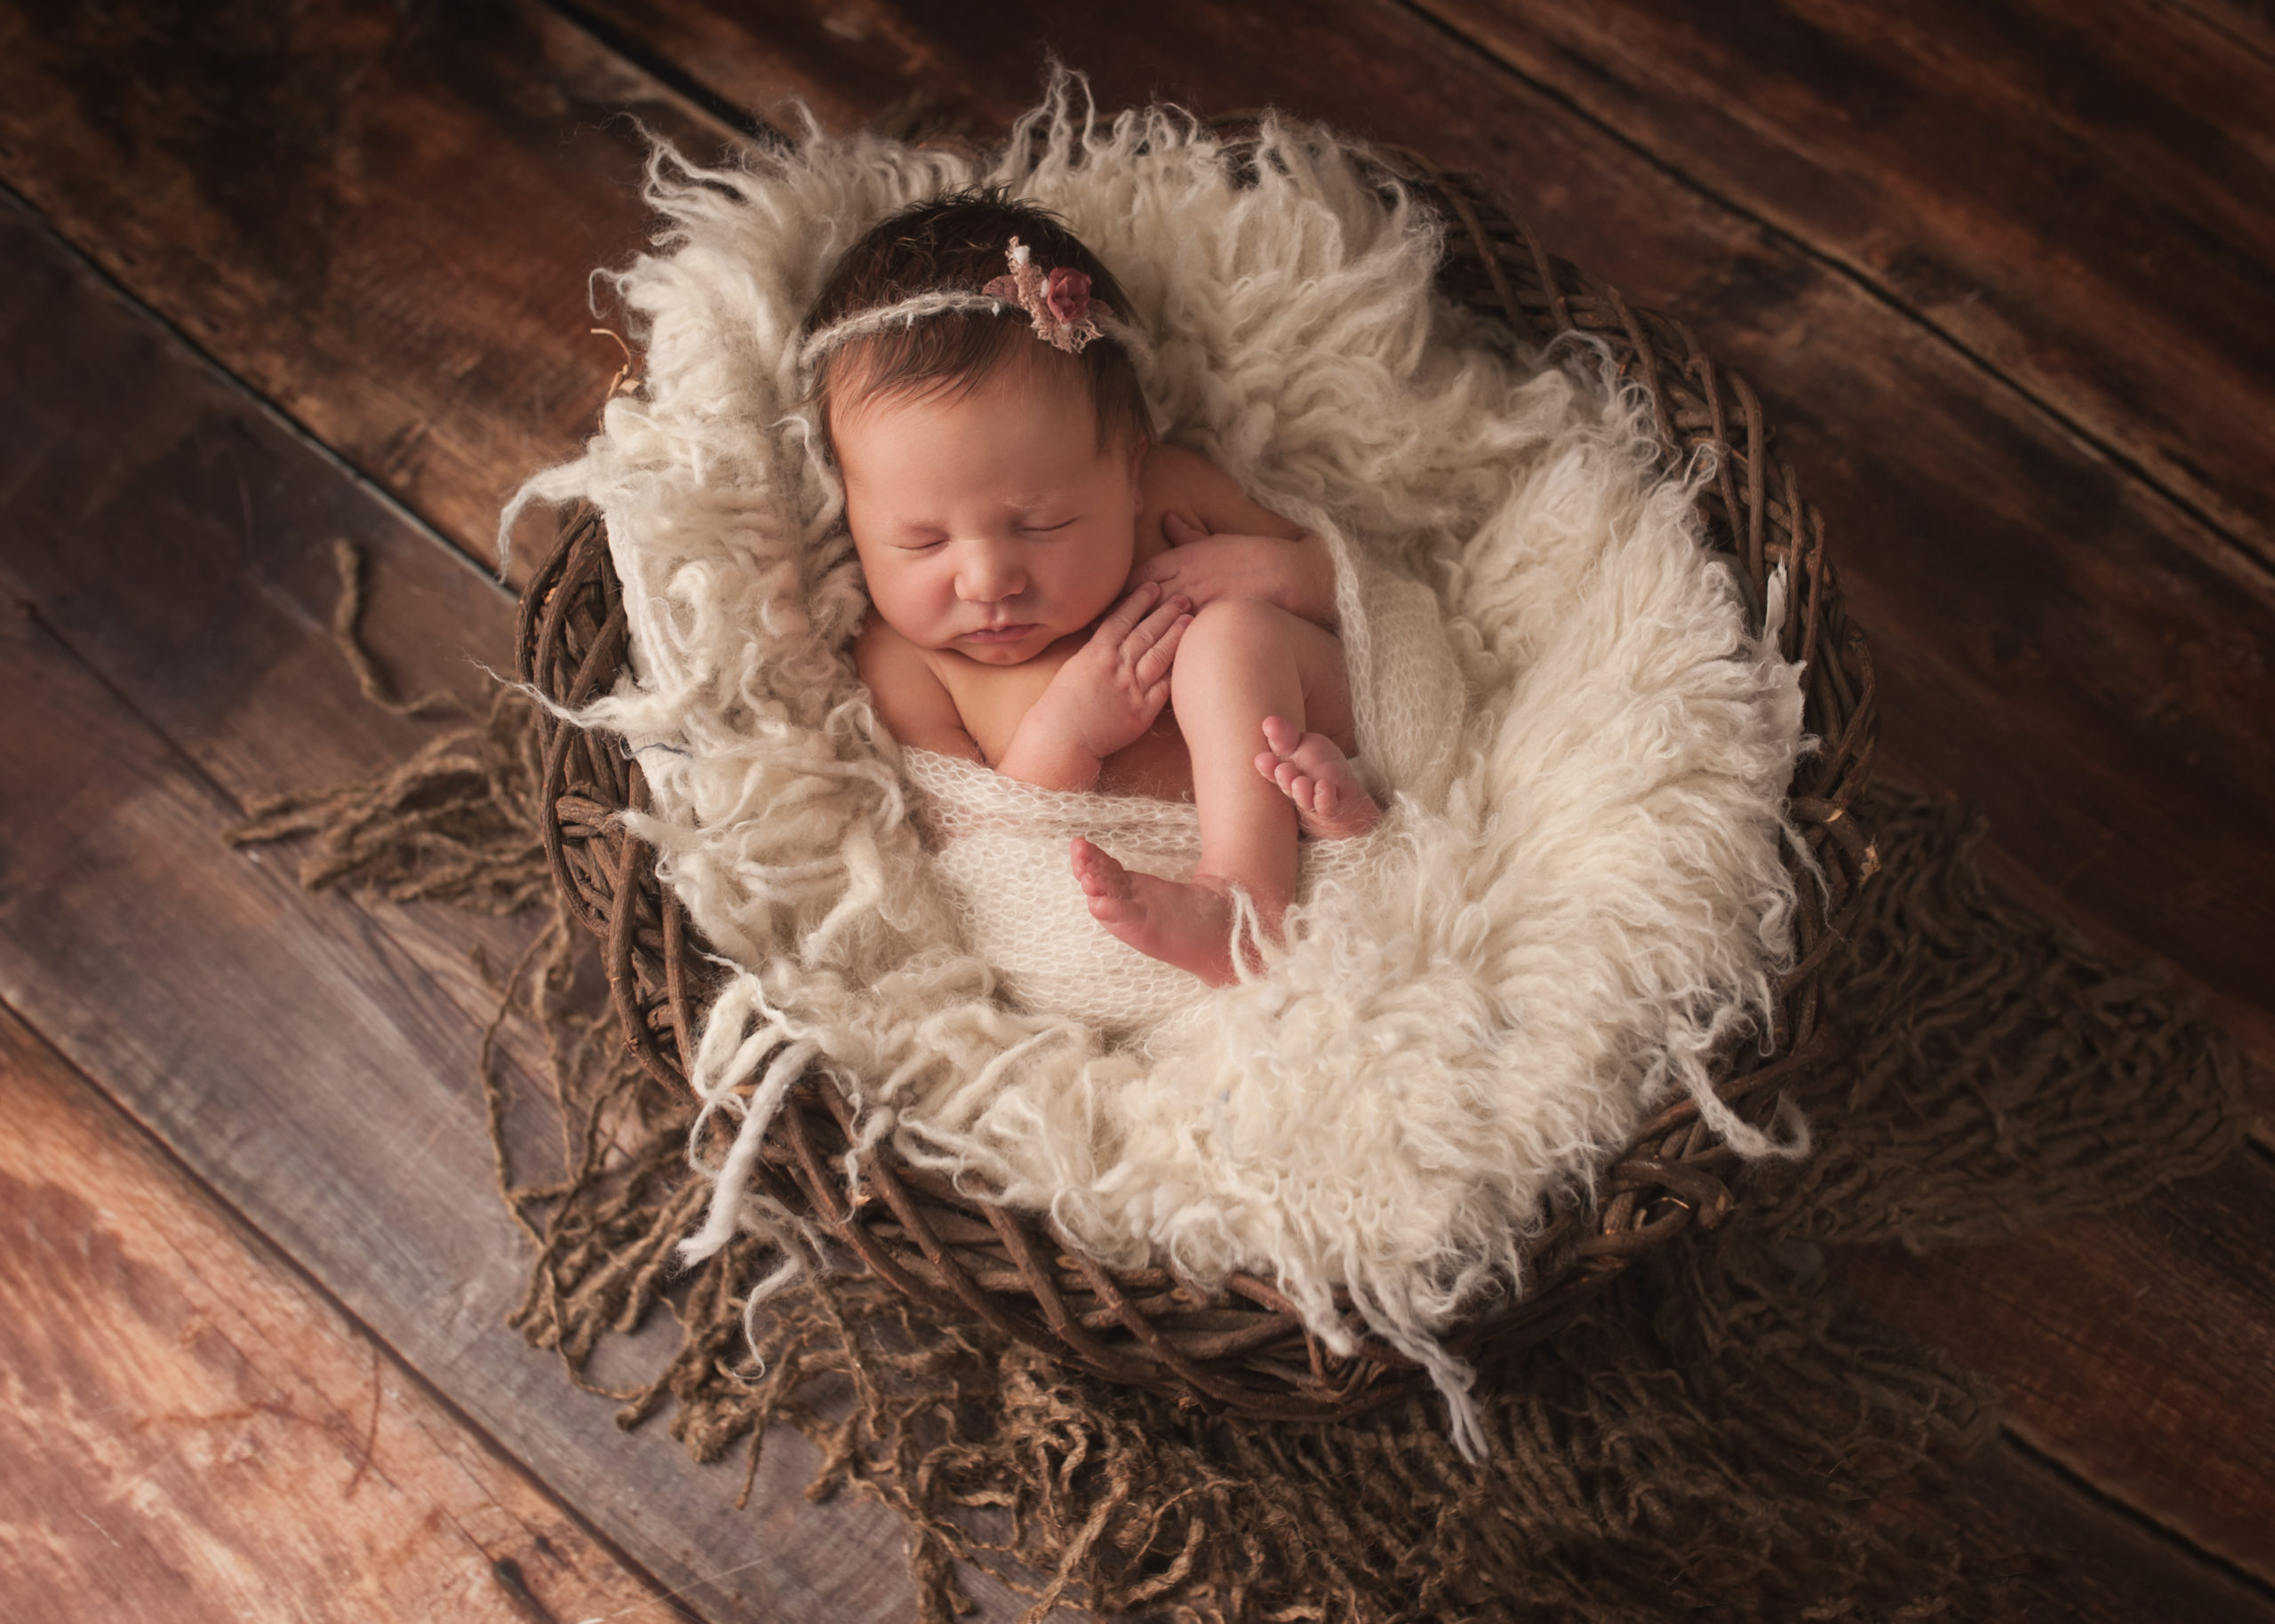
[1055,594]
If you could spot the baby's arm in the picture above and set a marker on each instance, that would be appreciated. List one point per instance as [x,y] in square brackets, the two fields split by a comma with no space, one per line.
[1222,545]
[1104,698]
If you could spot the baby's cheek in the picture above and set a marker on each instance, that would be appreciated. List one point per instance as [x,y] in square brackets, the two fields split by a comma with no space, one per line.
[891,598]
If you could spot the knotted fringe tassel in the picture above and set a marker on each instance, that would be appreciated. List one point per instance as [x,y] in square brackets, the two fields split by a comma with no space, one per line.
[1721,1434]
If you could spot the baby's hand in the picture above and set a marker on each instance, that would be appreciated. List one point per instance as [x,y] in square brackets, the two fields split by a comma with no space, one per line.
[1120,680]
[1203,568]
[1105,698]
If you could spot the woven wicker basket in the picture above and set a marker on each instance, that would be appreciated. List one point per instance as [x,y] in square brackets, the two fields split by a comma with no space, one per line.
[1244,1349]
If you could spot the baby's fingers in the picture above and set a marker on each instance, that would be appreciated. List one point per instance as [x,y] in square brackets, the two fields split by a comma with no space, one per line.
[1146,632]
[1154,665]
[1129,611]
[1180,530]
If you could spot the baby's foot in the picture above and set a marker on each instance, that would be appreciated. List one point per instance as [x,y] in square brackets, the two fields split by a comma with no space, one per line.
[1330,802]
[1188,925]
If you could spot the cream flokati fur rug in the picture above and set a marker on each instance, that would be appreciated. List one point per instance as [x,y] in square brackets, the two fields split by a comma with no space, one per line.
[1577,895]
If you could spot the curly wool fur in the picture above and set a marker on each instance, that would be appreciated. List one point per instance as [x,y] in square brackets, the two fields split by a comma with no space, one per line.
[1578,897]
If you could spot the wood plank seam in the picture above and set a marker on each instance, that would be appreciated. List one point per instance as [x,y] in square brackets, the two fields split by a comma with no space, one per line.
[363,481]
[2233,556]
[384,1353]
[2179,1543]
[688,87]
[2223,20]
[190,765]
[198,773]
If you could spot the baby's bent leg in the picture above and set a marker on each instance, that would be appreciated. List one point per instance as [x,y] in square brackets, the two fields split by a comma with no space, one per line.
[1331,804]
[1241,662]
[1254,661]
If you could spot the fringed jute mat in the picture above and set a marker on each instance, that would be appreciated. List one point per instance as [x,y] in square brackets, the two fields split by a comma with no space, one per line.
[1724,1434]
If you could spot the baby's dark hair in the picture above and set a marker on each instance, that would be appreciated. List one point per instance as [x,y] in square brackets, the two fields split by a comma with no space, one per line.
[958,243]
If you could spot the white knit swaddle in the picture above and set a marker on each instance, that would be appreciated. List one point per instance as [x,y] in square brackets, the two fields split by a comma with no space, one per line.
[1002,848]
[1578,899]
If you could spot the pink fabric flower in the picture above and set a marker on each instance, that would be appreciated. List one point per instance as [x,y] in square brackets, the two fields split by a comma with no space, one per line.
[1068,295]
[1058,304]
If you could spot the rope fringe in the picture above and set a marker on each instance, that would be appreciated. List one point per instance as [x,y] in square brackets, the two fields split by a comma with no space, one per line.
[1720,1433]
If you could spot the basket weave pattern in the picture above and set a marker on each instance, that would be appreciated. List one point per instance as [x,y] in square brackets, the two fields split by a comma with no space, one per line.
[1243,1347]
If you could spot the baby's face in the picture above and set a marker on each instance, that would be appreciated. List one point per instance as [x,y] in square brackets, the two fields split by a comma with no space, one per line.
[991,523]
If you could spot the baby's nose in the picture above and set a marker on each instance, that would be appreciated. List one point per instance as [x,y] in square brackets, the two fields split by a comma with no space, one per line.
[991,573]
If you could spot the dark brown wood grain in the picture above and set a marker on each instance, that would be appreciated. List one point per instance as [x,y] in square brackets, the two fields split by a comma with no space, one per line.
[2244,25]
[195,1433]
[2252,1025]
[2135,1348]
[379,217]
[2082,194]
[2076,1562]
[167,658]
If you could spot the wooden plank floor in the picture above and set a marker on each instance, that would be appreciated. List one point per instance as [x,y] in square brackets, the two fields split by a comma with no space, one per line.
[2003,271]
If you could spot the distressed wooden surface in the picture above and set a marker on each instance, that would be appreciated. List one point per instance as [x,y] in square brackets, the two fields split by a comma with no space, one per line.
[2137,1348]
[2078,195]
[379,218]
[2092,1565]
[194,1432]
[374,224]
[312,1059]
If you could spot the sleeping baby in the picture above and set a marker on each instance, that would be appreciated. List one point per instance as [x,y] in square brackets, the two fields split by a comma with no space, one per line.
[1055,594]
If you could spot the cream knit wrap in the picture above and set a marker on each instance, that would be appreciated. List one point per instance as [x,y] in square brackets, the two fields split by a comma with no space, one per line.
[1577,897]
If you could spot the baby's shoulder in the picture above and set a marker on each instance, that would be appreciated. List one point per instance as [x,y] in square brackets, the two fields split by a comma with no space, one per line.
[1175,477]
[1187,484]
[913,701]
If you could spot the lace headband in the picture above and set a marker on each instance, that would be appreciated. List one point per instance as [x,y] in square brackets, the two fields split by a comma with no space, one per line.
[1056,302]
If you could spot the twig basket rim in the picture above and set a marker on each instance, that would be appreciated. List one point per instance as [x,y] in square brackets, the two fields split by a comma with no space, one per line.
[1244,1349]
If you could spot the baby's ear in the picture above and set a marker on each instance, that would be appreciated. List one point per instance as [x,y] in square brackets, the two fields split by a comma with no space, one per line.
[1138,446]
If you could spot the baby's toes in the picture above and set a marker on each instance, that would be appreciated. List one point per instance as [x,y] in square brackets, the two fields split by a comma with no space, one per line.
[1317,755]
[1097,872]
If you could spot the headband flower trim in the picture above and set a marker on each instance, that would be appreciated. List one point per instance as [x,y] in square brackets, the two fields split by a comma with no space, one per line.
[1058,303]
